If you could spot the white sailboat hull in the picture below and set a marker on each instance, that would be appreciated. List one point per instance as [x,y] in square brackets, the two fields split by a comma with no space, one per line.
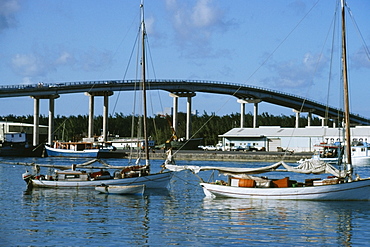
[153,181]
[357,190]
[121,190]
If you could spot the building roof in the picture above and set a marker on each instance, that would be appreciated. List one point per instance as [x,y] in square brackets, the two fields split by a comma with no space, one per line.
[19,124]
[276,131]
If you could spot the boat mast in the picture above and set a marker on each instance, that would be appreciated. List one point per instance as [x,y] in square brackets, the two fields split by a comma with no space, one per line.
[143,34]
[345,88]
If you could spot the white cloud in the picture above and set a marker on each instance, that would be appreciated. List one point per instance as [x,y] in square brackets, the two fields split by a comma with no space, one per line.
[293,74]
[28,65]
[8,8]
[27,80]
[203,14]
[38,65]
[64,58]
[195,24]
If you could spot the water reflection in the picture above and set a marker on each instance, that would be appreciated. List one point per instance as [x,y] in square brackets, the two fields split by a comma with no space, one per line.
[313,222]
[177,216]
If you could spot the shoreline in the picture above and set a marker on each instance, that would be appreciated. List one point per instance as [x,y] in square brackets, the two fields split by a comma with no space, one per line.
[227,156]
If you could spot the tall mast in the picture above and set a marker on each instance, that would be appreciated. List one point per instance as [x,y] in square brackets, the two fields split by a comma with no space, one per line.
[345,88]
[143,34]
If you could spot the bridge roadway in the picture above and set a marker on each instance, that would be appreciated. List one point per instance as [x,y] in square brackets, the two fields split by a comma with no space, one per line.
[182,87]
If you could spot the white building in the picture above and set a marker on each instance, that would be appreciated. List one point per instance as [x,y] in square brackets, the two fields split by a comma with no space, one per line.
[17,128]
[275,138]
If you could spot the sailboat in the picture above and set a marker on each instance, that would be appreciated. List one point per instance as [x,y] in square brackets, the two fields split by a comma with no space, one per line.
[340,185]
[126,175]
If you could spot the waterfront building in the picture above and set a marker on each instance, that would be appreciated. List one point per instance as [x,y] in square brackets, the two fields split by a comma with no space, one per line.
[11,128]
[275,138]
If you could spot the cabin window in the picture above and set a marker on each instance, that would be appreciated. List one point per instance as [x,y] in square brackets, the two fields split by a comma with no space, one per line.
[69,176]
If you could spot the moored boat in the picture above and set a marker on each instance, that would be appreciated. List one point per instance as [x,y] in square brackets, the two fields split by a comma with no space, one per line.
[82,150]
[331,153]
[97,175]
[15,144]
[121,190]
[361,153]
[341,184]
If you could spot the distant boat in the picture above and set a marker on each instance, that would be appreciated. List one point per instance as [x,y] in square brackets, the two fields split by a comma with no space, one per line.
[121,190]
[361,153]
[183,144]
[82,150]
[341,184]
[16,144]
[330,153]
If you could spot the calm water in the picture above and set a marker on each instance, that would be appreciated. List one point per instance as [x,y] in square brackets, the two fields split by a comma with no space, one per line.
[177,216]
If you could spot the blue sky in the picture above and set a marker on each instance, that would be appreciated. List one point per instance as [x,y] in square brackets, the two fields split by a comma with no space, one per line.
[281,45]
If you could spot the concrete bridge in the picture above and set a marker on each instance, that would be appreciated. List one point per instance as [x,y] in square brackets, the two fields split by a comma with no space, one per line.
[176,88]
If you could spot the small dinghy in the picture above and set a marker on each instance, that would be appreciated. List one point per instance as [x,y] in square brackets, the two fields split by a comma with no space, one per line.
[121,190]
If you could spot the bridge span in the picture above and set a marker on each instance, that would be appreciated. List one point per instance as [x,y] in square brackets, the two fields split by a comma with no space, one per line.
[176,88]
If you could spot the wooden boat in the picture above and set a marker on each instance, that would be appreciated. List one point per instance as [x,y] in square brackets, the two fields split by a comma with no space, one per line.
[121,190]
[126,175]
[340,185]
[91,176]
[81,150]
[243,183]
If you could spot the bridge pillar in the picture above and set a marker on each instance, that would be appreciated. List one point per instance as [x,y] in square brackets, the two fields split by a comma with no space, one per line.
[51,118]
[322,121]
[255,111]
[242,113]
[91,95]
[105,116]
[175,96]
[90,128]
[297,116]
[175,111]
[188,118]
[255,115]
[36,116]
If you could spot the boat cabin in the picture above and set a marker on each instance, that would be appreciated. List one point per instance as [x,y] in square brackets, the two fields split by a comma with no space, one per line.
[71,176]
[75,146]
[325,150]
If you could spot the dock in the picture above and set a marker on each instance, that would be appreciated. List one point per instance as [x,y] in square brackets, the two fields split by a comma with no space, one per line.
[227,156]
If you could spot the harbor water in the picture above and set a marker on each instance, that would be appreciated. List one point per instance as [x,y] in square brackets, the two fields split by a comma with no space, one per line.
[179,215]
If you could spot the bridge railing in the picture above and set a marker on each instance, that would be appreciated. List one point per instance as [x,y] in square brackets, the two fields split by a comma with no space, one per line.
[46,86]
